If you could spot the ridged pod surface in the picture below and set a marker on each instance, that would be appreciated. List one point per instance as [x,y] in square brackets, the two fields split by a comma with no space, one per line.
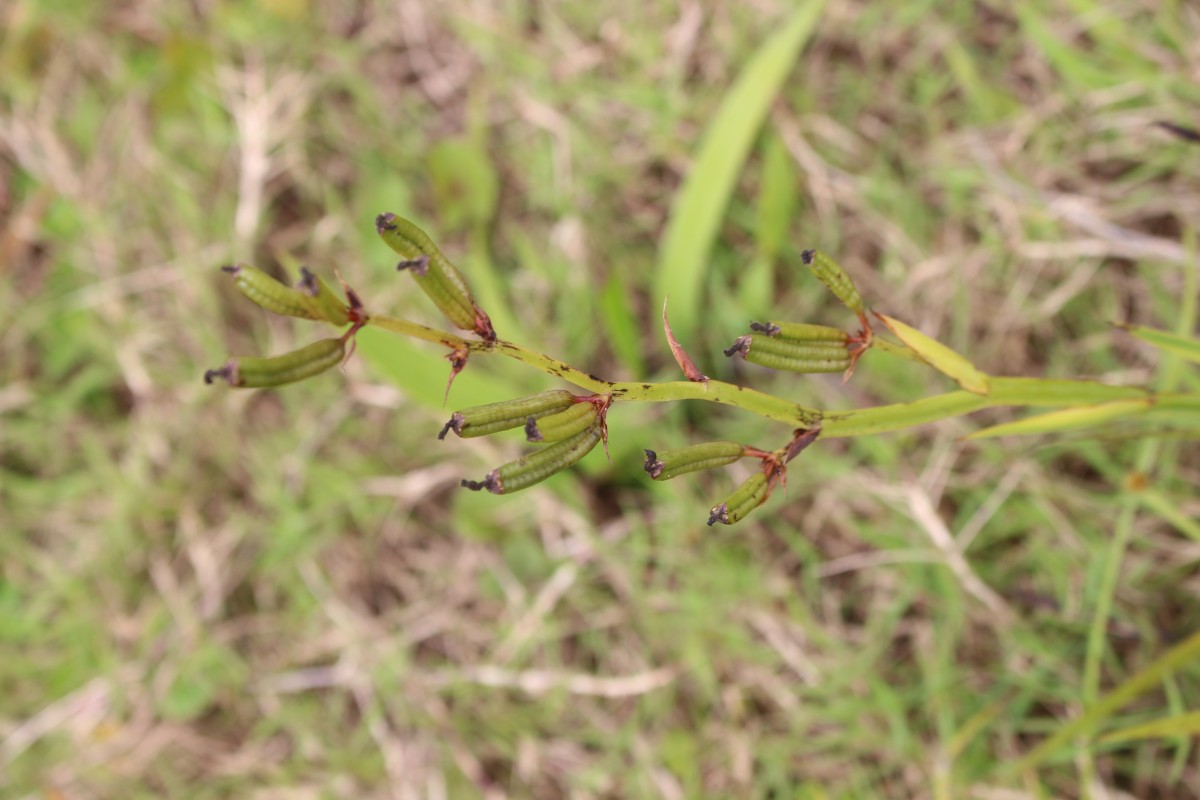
[274,296]
[539,465]
[800,331]
[438,278]
[830,273]
[561,425]
[667,464]
[254,372]
[505,415]
[745,498]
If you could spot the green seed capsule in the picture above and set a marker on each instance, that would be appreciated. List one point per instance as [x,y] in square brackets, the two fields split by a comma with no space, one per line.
[672,463]
[745,498]
[324,301]
[830,273]
[494,417]
[253,372]
[269,293]
[793,349]
[537,466]
[800,332]
[562,425]
[800,365]
[434,273]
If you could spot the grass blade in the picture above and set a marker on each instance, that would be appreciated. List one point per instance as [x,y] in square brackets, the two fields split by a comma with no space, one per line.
[1066,420]
[938,356]
[1183,346]
[697,211]
[1168,727]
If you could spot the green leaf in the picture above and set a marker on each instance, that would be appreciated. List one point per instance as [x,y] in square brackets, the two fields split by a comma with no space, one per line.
[1067,419]
[700,204]
[1168,727]
[1182,346]
[938,356]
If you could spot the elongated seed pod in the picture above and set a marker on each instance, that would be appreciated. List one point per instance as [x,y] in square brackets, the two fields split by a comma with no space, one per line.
[800,365]
[494,417]
[324,301]
[434,273]
[794,349]
[561,425]
[830,273]
[800,331]
[745,498]
[539,465]
[662,466]
[253,372]
[272,295]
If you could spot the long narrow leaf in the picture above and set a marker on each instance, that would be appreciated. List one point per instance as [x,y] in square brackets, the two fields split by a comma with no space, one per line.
[1068,419]
[938,356]
[700,204]
[1182,346]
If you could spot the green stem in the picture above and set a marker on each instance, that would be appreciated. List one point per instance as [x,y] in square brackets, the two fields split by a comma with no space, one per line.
[1002,391]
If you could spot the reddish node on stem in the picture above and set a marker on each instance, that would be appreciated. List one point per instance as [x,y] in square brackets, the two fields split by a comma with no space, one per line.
[483,325]
[858,344]
[458,360]
[804,437]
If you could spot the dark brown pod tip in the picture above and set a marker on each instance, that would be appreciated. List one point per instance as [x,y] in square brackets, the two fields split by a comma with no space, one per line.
[740,346]
[653,466]
[807,256]
[766,328]
[232,269]
[491,483]
[455,424]
[226,372]
[532,434]
[719,514]
[308,283]
[385,222]
[418,265]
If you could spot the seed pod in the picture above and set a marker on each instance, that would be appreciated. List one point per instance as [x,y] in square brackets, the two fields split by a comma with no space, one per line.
[539,465]
[323,299]
[434,273]
[494,417]
[272,295]
[561,425]
[672,463]
[745,498]
[791,356]
[251,372]
[800,332]
[830,273]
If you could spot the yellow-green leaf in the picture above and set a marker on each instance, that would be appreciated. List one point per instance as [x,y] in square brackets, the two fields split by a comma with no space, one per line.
[1068,419]
[1168,727]
[938,356]
[1182,346]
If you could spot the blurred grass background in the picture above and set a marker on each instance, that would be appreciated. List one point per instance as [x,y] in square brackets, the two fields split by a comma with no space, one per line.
[282,594]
